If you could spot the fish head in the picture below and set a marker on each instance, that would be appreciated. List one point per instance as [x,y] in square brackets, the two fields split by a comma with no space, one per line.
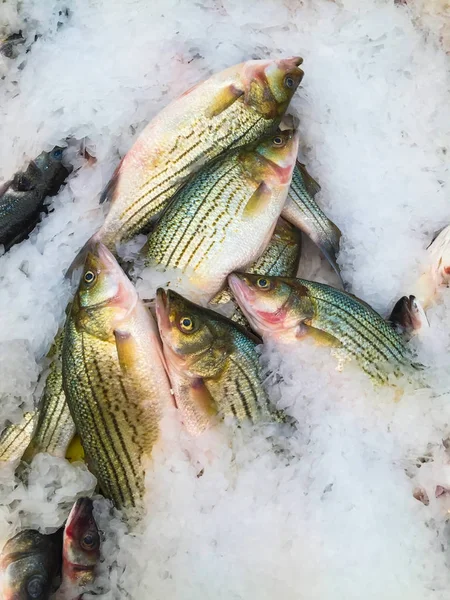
[28,564]
[105,295]
[277,155]
[81,545]
[194,342]
[47,170]
[273,305]
[270,84]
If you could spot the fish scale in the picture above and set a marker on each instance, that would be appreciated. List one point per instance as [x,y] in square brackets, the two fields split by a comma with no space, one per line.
[16,437]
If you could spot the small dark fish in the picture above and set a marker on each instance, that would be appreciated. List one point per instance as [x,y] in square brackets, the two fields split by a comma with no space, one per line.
[408,316]
[22,198]
[81,548]
[28,565]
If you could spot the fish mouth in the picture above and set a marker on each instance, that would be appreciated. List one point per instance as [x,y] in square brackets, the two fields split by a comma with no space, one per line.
[240,288]
[162,311]
[81,510]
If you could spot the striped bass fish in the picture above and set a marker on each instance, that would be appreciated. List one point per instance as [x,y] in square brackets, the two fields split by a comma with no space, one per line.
[114,377]
[15,437]
[289,309]
[280,258]
[302,211]
[223,219]
[213,364]
[230,109]
[55,427]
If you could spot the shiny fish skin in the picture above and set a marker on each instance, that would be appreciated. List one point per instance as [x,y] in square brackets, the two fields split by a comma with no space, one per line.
[224,217]
[15,438]
[231,109]
[55,427]
[289,309]
[114,378]
[29,563]
[81,548]
[22,198]
[280,258]
[214,367]
[302,211]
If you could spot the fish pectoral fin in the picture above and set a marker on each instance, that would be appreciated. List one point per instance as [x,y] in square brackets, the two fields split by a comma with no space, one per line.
[127,350]
[223,99]
[258,201]
[311,184]
[202,397]
[321,338]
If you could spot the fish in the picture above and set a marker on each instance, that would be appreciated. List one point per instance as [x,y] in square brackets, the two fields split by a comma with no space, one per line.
[224,217]
[29,564]
[289,309]
[22,198]
[436,270]
[408,316]
[81,549]
[16,437]
[229,110]
[302,211]
[114,377]
[213,364]
[281,257]
[55,427]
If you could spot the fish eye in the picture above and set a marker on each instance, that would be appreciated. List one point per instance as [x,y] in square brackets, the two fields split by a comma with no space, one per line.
[278,141]
[57,153]
[289,81]
[186,324]
[35,588]
[89,277]
[262,283]
[89,541]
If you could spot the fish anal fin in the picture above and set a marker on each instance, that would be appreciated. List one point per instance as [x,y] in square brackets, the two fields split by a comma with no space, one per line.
[258,201]
[223,100]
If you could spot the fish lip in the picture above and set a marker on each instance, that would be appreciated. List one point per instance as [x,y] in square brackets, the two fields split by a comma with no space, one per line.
[239,287]
[81,506]
[162,311]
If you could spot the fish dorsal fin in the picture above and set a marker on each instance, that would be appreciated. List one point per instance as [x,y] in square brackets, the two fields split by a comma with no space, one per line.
[311,184]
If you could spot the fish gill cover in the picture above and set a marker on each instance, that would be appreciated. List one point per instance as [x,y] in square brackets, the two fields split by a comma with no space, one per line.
[328,510]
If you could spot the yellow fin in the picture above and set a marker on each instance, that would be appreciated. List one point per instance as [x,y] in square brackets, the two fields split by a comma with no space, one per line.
[223,100]
[202,398]
[126,350]
[258,201]
[75,451]
[321,338]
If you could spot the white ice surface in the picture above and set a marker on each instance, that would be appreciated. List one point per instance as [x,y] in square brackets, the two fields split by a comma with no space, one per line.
[322,513]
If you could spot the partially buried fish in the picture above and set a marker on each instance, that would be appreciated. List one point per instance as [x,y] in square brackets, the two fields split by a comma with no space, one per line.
[289,309]
[436,270]
[280,258]
[213,364]
[223,219]
[230,109]
[114,378]
[29,564]
[15,437]
[81,549]
[408,316]
[302,211]
[22,198]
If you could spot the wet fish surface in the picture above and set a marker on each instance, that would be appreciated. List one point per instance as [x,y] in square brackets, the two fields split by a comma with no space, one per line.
[224,218]
[16,437]
[229,110]
[289,309]
[22,198]
[213,364]
[114,377]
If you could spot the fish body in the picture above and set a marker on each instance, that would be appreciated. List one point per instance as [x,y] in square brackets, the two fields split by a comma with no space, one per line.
[28,565]
[55,427]
[213,364]
[16,437]
[114,377]
[231,109]
[224,217]
[408,317]
[280,258]
[302,211]
[288,309]
[81,549]
[22,198]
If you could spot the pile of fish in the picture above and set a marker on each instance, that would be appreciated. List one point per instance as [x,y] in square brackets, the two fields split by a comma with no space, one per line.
[215,185]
